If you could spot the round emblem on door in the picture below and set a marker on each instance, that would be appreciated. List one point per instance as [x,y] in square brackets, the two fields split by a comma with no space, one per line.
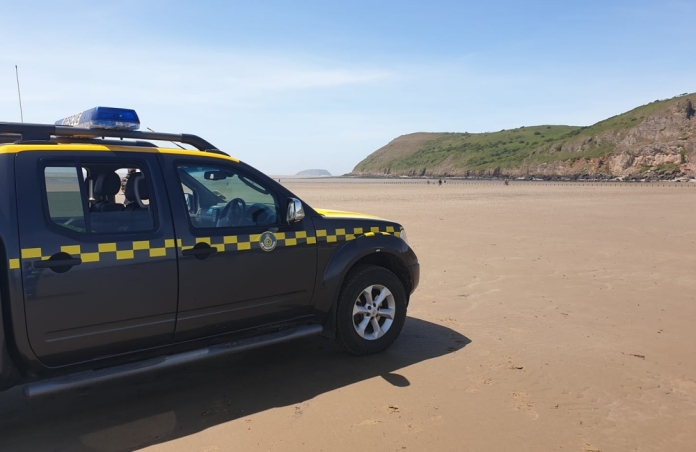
[268,241]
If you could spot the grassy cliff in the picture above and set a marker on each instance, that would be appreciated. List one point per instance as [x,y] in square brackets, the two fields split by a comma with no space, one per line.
[657,138]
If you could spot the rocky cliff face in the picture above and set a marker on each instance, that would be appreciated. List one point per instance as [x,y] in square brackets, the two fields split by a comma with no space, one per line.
[662,146]
[658,145]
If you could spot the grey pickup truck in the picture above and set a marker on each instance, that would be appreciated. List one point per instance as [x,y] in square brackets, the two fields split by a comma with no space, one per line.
[120,257]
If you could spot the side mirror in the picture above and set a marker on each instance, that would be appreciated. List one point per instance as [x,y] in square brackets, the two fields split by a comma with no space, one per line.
[295,210]
[190,202]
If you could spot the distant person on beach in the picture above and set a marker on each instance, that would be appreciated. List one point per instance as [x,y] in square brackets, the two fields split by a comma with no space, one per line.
[507,181]
[439,181]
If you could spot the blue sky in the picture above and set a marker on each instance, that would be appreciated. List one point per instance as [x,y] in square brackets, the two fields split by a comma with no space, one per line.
[288,86]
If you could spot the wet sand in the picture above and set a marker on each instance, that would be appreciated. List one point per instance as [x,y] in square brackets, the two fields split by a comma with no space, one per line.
[548,317]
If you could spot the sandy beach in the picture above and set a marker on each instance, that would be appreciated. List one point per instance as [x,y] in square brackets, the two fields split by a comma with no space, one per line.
[549,317]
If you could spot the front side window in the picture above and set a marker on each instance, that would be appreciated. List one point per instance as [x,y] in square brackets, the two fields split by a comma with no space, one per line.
[99,198]
[219,197]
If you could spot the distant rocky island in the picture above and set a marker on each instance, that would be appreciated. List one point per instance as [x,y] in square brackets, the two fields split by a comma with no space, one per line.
[314,173]
[656,141]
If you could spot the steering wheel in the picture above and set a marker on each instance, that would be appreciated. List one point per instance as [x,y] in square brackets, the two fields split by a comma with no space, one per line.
[233,213]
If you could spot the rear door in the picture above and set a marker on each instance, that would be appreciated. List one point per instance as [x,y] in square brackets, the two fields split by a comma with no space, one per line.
[241,265]
[99,278]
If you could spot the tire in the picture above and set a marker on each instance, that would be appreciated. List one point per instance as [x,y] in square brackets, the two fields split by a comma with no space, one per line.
[358,316]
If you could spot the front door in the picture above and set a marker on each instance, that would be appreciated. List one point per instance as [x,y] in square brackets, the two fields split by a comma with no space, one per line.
[240,264]
[98,255]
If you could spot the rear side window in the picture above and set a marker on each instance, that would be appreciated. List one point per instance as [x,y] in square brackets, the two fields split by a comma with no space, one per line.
[64,198]
[99,197]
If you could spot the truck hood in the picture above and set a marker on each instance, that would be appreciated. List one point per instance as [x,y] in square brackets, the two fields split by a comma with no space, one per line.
[341,214]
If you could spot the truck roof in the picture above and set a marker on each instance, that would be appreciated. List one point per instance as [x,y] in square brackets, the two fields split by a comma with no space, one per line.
[20,137]
[97,147]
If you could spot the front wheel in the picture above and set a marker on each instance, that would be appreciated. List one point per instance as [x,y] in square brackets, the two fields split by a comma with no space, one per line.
[371,310]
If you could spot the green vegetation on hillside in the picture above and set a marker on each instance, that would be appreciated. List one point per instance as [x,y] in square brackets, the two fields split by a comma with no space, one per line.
[508,148]
[484,150]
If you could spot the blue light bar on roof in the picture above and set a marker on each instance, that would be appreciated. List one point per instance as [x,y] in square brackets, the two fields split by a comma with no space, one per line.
[103,118]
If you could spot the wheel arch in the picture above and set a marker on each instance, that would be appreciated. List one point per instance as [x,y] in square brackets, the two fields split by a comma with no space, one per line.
[388,261]
[385,251]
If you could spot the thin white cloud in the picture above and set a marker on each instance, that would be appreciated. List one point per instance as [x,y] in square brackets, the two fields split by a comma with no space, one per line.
[193,77]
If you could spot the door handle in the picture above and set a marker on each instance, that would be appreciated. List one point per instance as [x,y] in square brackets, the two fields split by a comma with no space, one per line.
[200,251]
[59,262]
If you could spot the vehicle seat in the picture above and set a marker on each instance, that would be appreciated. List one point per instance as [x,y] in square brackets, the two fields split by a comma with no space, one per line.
[106,186]
[136,192]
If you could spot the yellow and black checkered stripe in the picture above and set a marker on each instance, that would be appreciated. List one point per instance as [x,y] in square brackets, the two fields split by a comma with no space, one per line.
[342,234]
[105,252]
[100,252]
[251,241]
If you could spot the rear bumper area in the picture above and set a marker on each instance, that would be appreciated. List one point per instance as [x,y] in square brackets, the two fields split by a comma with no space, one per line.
[414,270]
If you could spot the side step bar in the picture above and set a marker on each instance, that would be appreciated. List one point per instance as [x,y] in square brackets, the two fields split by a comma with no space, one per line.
[64,383]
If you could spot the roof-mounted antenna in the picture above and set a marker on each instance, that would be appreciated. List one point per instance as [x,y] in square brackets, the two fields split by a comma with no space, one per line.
[174,143]
[19,93]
